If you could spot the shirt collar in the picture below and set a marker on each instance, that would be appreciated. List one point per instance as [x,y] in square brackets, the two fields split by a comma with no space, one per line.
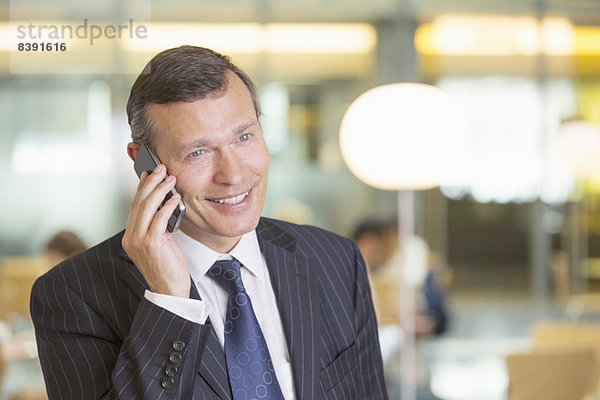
[200,257]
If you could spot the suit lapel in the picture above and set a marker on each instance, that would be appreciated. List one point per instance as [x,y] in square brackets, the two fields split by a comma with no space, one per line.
[212,365]
[297,291]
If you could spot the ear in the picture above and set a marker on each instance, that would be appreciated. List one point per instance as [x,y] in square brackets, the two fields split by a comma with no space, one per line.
[132,150]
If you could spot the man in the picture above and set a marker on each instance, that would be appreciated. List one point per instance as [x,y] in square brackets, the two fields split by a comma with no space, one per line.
[377,241]
[149,315]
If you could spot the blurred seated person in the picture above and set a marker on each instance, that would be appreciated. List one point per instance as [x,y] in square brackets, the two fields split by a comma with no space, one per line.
[61,246]
[17,279]
[378,242]
[17,275]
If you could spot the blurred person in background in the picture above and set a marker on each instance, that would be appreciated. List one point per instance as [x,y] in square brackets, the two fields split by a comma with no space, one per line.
[378,241]
[62,245]
[437,282]
[232,305]
[17,275]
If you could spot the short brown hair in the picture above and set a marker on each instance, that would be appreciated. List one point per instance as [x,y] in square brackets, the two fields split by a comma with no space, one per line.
[186,73]
[65,243]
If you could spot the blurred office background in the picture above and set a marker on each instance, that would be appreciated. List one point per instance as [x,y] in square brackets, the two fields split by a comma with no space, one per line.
[518,225]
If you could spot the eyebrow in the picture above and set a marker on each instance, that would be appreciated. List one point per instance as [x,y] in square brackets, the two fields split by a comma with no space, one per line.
[203,142]
[243,126]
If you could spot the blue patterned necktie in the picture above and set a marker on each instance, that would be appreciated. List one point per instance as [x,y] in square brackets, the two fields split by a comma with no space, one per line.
[249,364]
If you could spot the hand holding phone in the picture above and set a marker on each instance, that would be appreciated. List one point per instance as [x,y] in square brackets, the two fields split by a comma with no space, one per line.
[147,161]
[155,210]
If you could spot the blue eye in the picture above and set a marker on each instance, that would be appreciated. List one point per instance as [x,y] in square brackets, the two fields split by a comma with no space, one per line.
[197,153]
[245,137]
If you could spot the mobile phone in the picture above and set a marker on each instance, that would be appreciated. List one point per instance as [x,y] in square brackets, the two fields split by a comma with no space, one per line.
[146,160]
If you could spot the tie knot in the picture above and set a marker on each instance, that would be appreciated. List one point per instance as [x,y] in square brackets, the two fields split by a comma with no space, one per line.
[227,274]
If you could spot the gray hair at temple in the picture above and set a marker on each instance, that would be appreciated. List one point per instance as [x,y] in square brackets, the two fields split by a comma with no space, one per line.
[186,73]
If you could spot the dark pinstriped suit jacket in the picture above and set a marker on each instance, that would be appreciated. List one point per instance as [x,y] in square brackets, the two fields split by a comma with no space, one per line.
[99,338]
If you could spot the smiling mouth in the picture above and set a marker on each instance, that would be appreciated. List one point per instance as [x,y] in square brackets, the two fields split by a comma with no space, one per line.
[231,200]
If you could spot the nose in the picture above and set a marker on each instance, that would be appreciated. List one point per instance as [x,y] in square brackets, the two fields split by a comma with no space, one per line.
[229,169]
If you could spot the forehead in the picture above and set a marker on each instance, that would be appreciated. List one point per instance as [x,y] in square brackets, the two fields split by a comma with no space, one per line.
[220,113]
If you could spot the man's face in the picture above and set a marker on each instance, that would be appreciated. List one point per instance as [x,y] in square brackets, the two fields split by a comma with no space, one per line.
[216,149]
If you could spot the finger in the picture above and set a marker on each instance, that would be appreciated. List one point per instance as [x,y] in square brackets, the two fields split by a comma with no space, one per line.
[148,182]
[148,208]
[143,177]
[161,219]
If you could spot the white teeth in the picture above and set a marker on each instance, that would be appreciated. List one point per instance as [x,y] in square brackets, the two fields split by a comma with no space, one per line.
[232,200]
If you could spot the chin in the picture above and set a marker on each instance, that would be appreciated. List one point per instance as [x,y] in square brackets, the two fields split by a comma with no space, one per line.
[228,227]
[238,228]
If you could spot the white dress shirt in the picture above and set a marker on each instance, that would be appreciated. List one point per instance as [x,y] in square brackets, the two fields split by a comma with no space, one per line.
[257,282]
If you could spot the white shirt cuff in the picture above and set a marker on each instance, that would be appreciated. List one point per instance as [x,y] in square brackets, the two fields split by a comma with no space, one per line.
[190,309]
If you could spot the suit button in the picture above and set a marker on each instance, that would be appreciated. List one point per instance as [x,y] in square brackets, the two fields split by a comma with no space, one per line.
[178,345]
[175,357]
[167,383]
[171,370]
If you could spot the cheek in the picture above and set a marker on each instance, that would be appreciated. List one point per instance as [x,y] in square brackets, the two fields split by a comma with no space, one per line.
[253,161]
[263,166]
[262,160]
[191,182]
